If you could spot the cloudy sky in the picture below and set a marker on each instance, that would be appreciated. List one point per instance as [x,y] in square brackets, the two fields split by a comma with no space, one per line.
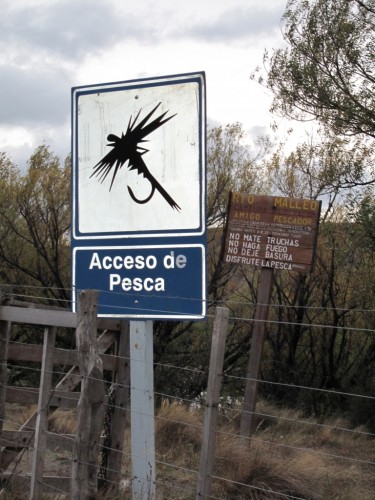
[49,46]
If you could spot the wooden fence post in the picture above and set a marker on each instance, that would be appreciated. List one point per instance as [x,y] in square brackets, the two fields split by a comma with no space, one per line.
[121,404]
[90,406]
[41,427]
[212,402]
[5,327]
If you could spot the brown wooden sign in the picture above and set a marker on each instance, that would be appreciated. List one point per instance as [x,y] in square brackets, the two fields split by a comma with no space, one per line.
[271,231]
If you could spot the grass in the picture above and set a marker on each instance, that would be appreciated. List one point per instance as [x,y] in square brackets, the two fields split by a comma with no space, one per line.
[288,456]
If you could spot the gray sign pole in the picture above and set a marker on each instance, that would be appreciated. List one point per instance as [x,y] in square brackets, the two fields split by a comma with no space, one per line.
[142,410]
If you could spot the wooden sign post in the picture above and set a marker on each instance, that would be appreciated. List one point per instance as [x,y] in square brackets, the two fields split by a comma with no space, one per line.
[273,233]
[256,351]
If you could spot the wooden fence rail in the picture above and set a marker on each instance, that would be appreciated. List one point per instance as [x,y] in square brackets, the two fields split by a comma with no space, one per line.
[90,405]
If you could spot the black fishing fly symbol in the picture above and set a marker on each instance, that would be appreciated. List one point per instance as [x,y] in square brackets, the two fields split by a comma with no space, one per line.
[126,148]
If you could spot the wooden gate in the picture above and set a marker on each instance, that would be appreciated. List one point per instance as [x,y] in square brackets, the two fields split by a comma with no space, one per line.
[113,349]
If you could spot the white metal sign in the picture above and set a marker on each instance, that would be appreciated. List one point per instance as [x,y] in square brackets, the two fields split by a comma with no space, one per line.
[138,159]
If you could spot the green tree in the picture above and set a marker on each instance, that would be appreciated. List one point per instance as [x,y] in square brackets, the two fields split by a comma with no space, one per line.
[327,168]
[34,226]
[321,335]
[322,332]
[232,165]
[364,215]
[326,72]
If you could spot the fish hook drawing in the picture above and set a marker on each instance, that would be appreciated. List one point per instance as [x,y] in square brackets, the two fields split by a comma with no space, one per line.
[127,148]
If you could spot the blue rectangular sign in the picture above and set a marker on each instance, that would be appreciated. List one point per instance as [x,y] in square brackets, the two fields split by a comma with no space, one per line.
[151,281]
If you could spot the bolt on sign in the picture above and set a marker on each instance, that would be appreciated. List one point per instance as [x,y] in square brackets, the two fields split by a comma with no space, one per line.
[271,231]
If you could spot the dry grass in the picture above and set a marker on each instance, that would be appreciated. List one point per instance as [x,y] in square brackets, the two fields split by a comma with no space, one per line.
[177,426]
[287,456]
[63,421]
[257,474]
[16,415]
[178,434]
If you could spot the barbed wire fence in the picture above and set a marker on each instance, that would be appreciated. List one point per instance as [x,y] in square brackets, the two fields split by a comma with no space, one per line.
[283,434]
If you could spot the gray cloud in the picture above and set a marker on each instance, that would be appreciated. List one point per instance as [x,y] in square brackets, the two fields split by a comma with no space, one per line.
[237,24]
[34,97]
[68,29]
[41,45]
[258,131]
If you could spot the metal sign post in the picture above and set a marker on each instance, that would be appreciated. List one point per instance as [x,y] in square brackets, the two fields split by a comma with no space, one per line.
[142,410]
